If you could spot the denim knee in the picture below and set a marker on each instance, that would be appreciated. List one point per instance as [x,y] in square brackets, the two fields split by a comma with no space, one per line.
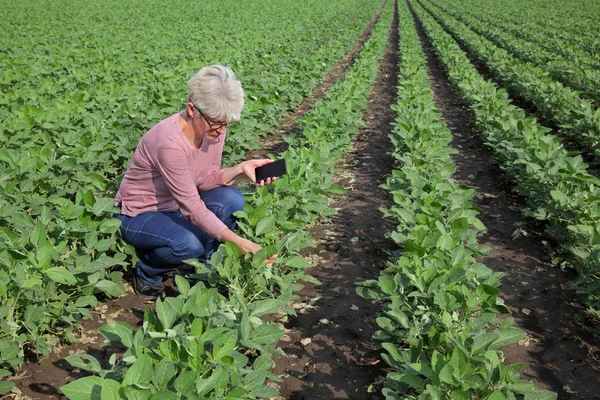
[233,199]
[188,246]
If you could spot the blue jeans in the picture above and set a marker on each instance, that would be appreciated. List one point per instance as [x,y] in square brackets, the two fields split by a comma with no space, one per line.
[165,239]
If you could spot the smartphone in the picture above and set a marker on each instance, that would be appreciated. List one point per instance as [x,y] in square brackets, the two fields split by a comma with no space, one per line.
[270,170]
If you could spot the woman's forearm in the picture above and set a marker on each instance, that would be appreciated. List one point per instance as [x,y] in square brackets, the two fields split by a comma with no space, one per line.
[231,173]
[244,244]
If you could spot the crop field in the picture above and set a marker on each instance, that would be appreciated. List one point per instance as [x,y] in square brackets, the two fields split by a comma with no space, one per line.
[437,232]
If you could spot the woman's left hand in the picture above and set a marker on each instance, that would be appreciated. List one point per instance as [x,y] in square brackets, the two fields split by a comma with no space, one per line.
[248,169]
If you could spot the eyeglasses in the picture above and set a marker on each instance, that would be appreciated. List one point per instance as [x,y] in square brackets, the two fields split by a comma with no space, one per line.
[214,126]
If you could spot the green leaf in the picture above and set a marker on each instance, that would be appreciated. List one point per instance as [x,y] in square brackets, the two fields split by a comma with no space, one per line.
[140,372]
[265,225]
[37,235]
[165,313]
[111,288]
[88,388]
[460,363]
[540,395]
[185,381]
[445,242]
[387,284]
[182,285]
[85,362]
[410,379]
[6,386]
[164,395]
[110,225]
[263,391]
[336,189]
[61,275]
[135,393]
[497,395]
[259,258]
[118,331]
[266,334]
[245,328]
[203,386]
[104,204]
[263,363]
[446,374]
[162,374]
[263,307]
[508,335]
[85,301]
[111,390]
[224,346]
[423,369]
[197,327]
[482,342]
[254,379]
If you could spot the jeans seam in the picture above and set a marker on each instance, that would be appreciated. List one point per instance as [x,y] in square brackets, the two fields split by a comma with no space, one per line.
[146,233]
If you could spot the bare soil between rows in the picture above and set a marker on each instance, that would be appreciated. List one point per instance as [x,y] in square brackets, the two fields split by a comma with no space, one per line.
[328,343]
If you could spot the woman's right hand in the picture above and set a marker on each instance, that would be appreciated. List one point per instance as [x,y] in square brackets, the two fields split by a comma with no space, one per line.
[248,246]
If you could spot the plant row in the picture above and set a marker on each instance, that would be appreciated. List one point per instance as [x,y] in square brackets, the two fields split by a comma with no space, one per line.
[585,77]
[439,329]
[555,41]
[69,133]
[201,344]
[578,119]
[572,25]
[558,189]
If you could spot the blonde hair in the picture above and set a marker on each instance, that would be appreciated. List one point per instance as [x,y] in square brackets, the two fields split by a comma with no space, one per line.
[217,93]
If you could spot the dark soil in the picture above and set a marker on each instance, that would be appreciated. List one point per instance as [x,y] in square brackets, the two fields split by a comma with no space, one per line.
[558,353]
[328,343]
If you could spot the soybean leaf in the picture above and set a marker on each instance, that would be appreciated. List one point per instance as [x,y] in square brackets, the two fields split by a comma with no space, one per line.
[111,390]
[162,374]
[266,334]
[61,275]
[265,225]
[203,386]
[118,331]
[140,372]
[88,388]
[164,395]
[85,362]
[263,363]
[165,313]
[111,288]
[224,346]
[185,381]
[6,386]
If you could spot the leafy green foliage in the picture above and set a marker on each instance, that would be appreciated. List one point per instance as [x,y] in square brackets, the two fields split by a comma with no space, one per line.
[558,188]
[438,325]
[578,119]
[73,112]
[200,344]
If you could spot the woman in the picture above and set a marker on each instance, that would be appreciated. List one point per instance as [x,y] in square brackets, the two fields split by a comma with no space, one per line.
[176,202]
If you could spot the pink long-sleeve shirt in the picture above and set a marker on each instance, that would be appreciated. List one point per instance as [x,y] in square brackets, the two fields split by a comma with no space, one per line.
[167,172]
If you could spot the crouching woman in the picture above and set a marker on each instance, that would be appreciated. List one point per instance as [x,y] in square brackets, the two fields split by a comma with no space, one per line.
[176,201]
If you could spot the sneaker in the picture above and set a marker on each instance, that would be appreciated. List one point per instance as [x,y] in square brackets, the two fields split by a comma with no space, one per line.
[145,290]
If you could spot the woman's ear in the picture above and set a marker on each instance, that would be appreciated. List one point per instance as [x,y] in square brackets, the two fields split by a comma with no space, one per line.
[190,109]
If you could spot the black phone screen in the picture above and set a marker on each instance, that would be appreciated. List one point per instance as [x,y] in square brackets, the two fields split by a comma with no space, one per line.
[271,170]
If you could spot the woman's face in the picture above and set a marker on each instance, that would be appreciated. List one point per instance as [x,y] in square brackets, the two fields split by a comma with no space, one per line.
[206,127]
